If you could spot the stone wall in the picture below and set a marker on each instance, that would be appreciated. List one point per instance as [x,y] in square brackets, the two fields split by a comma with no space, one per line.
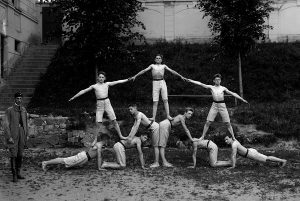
[49,131]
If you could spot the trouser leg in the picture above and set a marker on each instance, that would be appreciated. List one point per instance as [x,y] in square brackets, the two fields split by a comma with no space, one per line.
[13,168]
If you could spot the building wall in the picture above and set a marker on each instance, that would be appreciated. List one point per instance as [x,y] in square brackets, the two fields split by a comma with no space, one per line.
[19,25]
[181,19]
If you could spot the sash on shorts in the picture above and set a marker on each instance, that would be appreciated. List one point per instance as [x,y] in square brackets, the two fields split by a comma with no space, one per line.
[158,79]
[88,156]
[147,127]
[102,98]
[219,101]
[245,156]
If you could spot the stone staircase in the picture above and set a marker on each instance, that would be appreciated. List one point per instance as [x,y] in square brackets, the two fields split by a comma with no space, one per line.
[26,74]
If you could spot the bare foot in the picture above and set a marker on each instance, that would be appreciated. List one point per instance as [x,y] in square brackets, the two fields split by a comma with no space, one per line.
[154,165]
[283,164]
[167,164]
[44,166]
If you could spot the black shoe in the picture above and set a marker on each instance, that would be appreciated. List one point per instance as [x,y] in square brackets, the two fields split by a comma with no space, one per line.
[20,176]
[15,178]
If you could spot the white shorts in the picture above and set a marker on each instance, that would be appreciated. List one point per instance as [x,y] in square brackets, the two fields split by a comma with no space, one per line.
[104,105]
[154,129]
[76,160]
[213,152]
[255,155]
[159,86]
[120,154]
[161,139]
[218,108]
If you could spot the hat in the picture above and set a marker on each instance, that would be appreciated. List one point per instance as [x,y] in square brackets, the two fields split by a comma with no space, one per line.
[18,94]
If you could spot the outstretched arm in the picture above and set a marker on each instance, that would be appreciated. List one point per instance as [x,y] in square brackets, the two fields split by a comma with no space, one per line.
[199,83]
[186,129]
[233,156]
[118,82]
[235,95]
[142,72]
[141,156]
[194,156]
[174,72]
[135,127]
[82,92]
[99,156]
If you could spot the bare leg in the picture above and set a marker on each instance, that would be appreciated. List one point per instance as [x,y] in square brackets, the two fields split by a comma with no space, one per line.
[213,159]
[205,129]
[52,162]
[164,160]
[229,127]
[156,158]
[166,104]
[275,159]
[155,105]
[117,127]
[221,164]
[112,165]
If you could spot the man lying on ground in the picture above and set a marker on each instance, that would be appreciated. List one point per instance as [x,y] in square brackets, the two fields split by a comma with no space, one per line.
[119,149]
[82,157]
[250,153]
[212,150]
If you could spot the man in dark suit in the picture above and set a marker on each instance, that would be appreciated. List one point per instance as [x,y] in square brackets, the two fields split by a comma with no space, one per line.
[16,132]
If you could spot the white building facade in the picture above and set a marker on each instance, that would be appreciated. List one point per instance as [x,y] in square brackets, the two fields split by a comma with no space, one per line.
[181,20]
[19,26]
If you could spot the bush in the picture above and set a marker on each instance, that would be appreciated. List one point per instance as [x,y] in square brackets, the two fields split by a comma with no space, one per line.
[270,73]
[282,119]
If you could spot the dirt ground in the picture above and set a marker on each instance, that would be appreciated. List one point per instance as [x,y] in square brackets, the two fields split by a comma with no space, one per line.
[249,181]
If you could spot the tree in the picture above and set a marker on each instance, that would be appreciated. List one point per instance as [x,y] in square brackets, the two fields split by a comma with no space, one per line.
[100,29]
[236,25]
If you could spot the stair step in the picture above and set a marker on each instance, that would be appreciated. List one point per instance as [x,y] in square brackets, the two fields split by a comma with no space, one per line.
[26,75]
[25,82]
[13,91]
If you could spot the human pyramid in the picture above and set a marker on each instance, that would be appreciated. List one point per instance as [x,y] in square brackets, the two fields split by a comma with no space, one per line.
[159,131]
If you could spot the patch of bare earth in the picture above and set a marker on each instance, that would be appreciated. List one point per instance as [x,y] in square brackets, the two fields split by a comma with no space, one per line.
[249,181]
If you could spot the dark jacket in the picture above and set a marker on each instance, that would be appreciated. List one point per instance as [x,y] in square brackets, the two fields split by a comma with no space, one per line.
[11,122]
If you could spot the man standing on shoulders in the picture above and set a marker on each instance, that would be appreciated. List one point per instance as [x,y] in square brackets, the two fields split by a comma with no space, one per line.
[218,105]
[16,132]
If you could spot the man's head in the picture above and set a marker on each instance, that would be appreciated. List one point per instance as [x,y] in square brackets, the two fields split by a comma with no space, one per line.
[188,112]
[132,109]
[217,79]
[228,140]
[158,58]
[18,98]
[144,137]
[104,138]
[101,77]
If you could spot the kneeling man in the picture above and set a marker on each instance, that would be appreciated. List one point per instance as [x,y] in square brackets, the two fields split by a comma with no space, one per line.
[119,149]
[82,157]
[250,153]
[212,150]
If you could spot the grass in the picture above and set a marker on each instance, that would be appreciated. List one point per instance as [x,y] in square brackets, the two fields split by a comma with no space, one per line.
[282,119]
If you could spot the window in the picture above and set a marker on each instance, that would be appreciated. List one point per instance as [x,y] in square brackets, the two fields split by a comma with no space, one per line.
[17,46]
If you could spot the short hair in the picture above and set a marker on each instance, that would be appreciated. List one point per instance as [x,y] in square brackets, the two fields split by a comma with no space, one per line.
[218,75]
[160,55]
[132,105]
[18,94]
[145,134]
[104,136]
[102,72]
[189,109]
